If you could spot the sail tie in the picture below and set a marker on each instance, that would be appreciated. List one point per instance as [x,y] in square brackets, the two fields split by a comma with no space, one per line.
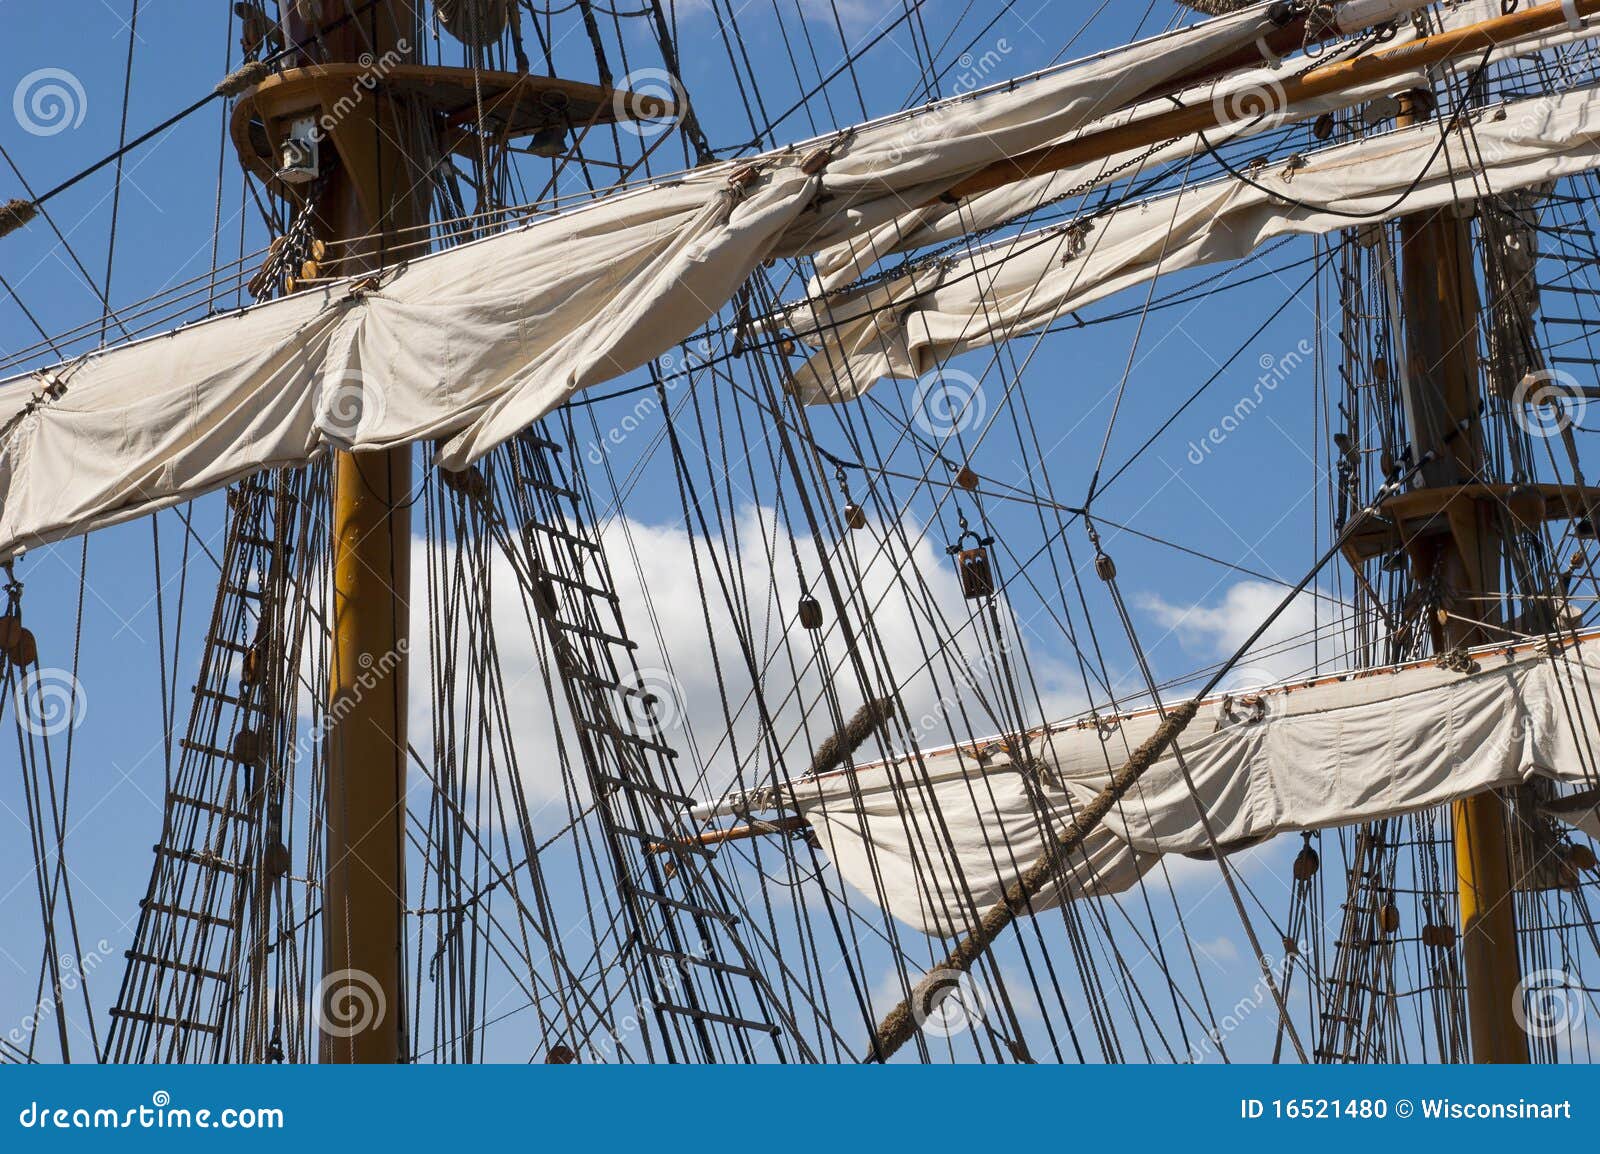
[243,78]
[15,213]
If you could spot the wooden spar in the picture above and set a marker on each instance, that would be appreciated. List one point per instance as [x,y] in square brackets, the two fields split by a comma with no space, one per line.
[1383,64]
[762,801]
[369,190]
[836,751]
[902,1022]
[738,833]
[1442,392]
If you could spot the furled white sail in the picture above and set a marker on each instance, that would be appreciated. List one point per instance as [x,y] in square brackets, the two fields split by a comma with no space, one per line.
[1251,97]
[906,326]
[935,842]
[160,420]
[475,343]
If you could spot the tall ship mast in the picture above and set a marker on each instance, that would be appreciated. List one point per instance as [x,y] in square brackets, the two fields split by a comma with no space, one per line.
[668,546]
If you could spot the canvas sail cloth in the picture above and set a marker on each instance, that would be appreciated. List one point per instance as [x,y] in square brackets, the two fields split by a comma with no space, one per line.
[907,326]
[1248,97]
[935,845]
[473,344]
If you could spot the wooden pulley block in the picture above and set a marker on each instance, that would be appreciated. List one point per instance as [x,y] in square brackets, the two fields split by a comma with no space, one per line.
[255,666]
[10,632]
[247,747]
[1389,917]
[810,613]
[1527,506]
[559,1055]
[24,651]
[815,161]
[276,860]
[977,578]
[469,482]
[1306,864]
[258,283]
[855,516]
[967,479]
[1438,937]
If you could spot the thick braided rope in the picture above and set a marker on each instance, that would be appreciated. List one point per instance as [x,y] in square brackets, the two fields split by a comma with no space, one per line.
[901,1023]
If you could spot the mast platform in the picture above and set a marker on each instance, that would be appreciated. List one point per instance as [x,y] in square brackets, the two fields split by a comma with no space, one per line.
[508,106]
[1420,515]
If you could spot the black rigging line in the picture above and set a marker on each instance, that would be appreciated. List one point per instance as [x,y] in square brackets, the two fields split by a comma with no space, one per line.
[849,63]
[144,137]
[1375,214]
[116,185]
[94,285]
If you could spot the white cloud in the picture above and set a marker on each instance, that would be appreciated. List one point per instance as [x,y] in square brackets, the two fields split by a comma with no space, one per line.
[691,655]
[1219,949]
[1218,629]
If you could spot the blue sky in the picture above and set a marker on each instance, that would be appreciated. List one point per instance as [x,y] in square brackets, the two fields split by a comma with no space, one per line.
[1251,497]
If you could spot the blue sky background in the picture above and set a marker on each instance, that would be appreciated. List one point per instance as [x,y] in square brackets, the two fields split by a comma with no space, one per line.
[1254,499]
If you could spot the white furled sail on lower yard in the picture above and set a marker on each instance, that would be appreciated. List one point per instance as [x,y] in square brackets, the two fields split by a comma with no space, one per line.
[935,840]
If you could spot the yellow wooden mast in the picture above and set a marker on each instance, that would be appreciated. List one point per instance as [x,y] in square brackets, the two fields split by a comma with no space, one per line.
[372,192]
[1442,400]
